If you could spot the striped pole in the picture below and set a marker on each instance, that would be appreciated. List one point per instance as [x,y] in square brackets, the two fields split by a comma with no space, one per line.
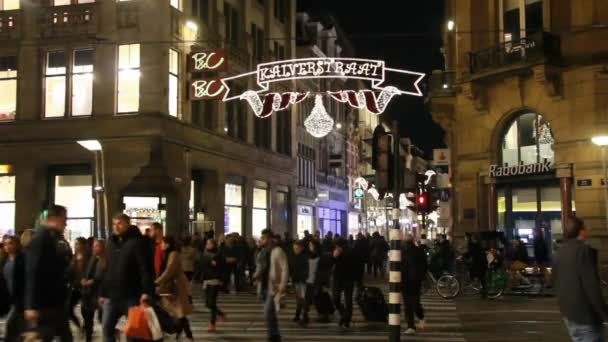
[394,275]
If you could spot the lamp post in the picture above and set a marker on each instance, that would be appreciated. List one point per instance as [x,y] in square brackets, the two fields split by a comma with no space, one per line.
[100,186]
[602,141]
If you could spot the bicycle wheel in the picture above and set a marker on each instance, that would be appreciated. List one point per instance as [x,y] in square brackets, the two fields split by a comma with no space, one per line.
[495,284]
[447,286]
[537,284]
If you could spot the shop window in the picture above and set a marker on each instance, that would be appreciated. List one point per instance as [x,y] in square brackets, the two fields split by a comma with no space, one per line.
[173,83]
[233,210]
[7,204]
[145,210]
[8,87]
[128,78]
[75,192]
[528,140]
[55,84]
[259,211]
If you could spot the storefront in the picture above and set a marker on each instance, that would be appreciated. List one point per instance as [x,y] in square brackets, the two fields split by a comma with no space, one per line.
[305,220]
[259,214]
[331,220]
[233,209]
[145,210]
[7,200]
[528,192]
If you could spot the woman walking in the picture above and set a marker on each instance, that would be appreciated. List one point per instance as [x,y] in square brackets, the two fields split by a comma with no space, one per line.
[79,263]
[188,260]
[13,274]
[90,287]
[213,273]
[172,286]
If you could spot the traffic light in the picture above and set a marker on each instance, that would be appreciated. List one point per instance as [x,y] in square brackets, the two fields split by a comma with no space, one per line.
[422,200]
[382,161]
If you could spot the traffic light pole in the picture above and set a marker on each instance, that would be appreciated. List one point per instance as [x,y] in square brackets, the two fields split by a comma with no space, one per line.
[394,282]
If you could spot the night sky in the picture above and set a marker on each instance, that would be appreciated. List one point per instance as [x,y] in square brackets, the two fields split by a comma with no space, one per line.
[406,37]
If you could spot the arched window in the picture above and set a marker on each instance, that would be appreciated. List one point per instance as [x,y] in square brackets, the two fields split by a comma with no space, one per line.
[528,140]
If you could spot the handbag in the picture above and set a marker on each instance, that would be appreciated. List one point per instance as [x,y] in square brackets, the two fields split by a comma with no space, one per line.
[137,324]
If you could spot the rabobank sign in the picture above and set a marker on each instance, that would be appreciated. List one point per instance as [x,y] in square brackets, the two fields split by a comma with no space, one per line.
[521,169]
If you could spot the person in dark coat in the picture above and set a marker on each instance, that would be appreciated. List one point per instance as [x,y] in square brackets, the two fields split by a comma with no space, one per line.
[478,262]
[298,271]
[541,253]
[47,260]
[213,269]
[90,284]
[13,276]
[319,272]
[327,245]
[343,282]
[414,269]
[577,285]
[360,255]
[378,254]
[129,276]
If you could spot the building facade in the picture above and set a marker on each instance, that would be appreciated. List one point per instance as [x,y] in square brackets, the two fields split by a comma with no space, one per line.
[520,98]
[76,70]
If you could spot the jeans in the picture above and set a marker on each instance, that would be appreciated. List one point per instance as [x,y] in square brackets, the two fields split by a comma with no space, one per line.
[54,323]
[113,310]
[346,310]
[270,315]
[412,305]
[300,297]
[585,333]
[211,292]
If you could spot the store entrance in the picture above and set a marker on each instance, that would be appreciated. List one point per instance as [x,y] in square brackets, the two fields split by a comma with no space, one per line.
[524,207]
[145,210]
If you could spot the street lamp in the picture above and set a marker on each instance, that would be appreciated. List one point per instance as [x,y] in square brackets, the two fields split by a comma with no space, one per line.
[99,188]
[602,141]
[450,25]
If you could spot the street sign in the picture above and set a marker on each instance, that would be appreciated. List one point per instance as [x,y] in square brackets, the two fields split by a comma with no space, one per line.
[584,182]
[441,156]
[359,193]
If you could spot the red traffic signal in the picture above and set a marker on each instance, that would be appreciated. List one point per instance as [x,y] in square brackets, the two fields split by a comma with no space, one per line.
[422,200]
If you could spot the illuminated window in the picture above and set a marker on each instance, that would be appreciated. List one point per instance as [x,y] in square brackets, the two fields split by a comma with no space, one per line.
[128,78]
[173,83]
[8,87]
[177,4]
[82,82]
[521,18]
[55,84]
[71,2]
[7,204]
[233,216]
[528,140]
[259,215]
[7,5]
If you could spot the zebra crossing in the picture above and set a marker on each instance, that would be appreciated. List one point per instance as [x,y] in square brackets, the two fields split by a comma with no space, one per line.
[245,323]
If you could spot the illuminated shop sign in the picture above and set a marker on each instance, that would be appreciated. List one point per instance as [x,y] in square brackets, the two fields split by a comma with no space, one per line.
[521,169]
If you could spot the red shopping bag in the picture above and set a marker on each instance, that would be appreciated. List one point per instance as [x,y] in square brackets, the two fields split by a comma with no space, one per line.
[137,324]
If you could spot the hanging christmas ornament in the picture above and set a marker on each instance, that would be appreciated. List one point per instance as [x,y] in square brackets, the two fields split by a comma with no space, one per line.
[318,123]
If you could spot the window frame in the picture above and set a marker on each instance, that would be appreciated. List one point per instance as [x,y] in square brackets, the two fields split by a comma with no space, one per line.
[12,173]
[523,25]
[129,68]
[16,79]
[3,6]
[69,53]
[72,2]
[174,74]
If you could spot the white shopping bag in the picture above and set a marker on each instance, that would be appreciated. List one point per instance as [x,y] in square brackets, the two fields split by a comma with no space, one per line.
[154,324]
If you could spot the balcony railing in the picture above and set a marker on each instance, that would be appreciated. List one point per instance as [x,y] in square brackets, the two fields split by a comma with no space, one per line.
[9,21]
[441,83]
[68,20]
[538,48]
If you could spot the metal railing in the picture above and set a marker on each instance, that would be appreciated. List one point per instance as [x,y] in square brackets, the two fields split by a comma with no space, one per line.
[68,20]
[539,47]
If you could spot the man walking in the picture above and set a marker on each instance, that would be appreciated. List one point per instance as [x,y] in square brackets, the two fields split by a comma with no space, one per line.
[414,271]
[129,279]
[46,287]
[276,286]
[343,282]
[578,286]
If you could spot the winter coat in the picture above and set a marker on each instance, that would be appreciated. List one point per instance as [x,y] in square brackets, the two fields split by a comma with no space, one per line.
[173,287]
[129,267]
[208,269]
[414,268]
[94,271]
[18,278]
[541,252]
[188,258]
[47,259]
[298,267]
[479,261]
[343,268]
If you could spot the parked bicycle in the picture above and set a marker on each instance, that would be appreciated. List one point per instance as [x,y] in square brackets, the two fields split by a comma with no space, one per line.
[524,281]
[447,285]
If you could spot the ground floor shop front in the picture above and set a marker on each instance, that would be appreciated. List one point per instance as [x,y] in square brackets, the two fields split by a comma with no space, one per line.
[185,188]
